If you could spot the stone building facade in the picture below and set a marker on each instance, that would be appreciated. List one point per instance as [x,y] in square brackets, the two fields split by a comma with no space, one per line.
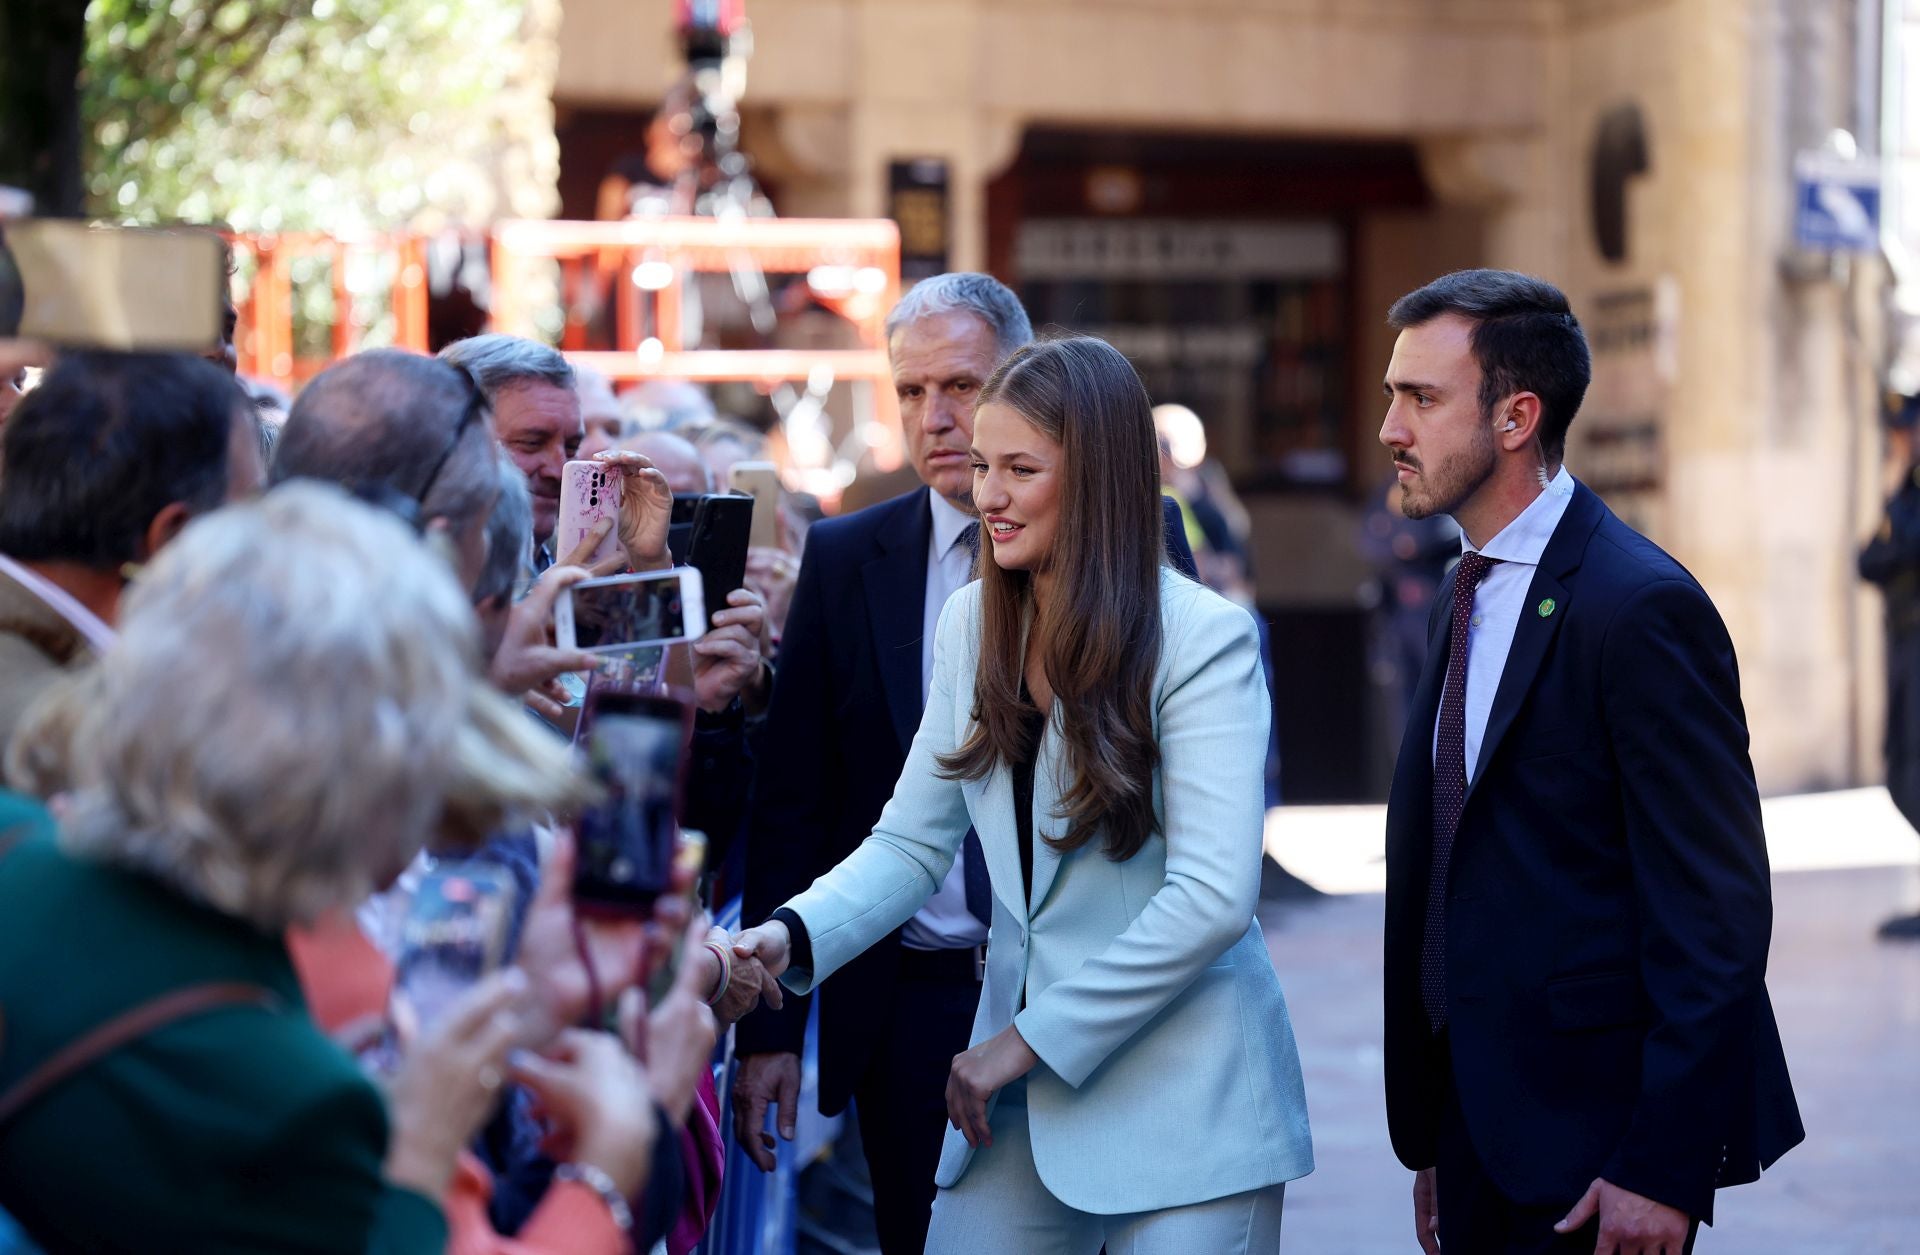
[1637,152]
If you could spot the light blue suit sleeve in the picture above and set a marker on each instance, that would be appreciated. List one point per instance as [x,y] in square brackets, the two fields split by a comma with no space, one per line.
[1214,714]
[896,869]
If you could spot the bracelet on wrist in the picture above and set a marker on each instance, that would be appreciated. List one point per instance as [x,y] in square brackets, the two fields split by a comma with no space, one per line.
[600,1183]
[720,952]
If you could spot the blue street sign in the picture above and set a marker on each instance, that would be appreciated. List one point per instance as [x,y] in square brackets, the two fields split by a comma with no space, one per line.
[1837,204]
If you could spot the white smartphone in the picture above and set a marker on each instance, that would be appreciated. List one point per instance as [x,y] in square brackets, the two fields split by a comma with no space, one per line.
[761,481]
[622,612]
[589,492]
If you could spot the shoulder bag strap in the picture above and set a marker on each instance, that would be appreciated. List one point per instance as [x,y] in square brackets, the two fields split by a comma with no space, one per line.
[128,1026]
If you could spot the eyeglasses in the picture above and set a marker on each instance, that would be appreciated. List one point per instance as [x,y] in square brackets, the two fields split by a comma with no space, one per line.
[476,405]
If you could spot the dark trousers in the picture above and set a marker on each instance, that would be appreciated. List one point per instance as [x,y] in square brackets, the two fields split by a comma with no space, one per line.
[1477,1219]
[901,1102]
[1903,725]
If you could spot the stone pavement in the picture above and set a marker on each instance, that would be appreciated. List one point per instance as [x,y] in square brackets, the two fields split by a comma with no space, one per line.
[1849,1010]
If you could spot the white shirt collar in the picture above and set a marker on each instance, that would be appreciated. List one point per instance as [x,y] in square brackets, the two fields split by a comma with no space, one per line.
[1525,539]
[949,520]
[91,627]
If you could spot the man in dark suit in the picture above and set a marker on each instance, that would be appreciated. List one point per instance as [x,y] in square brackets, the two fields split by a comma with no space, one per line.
[1579,1045]
[854,666]
[1891,561]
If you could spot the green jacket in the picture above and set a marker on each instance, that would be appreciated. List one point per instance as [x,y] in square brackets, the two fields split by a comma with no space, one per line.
[240,1129]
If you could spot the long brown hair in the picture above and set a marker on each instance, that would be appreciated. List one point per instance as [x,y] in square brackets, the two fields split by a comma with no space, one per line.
[1100,627]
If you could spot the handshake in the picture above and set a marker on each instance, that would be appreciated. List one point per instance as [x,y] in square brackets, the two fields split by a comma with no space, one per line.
[760,955]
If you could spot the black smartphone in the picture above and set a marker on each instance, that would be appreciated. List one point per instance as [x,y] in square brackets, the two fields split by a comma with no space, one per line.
[680,525]
[636,749]
[722,526]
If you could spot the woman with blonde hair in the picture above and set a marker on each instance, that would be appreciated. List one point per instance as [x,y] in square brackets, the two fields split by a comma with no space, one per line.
[1101,722]
[294,703]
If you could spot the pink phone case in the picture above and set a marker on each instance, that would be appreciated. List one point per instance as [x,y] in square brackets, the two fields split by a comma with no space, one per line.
[589,492]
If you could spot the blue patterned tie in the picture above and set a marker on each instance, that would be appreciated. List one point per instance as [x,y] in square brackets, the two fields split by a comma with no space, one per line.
[973,859]
[1449,787]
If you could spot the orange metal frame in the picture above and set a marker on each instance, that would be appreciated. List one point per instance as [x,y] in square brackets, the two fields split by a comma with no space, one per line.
[691,246]
[588,252]
[264,338]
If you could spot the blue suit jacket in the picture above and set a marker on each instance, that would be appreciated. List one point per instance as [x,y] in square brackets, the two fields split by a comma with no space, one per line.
[1608,904]
[1168,1072]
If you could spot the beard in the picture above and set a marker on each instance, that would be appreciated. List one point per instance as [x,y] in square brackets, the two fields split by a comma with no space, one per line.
[1444,488]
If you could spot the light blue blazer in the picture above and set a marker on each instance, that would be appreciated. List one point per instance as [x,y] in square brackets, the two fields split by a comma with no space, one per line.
[1168,1072]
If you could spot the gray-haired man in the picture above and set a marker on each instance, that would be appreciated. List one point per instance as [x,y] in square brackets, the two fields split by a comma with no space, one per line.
[536,416]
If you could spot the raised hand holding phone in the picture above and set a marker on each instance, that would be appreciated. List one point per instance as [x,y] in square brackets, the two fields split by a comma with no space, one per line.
[599,1100]
[448,1080]
[528,662]
[590,495]
[646,509]
[727,662]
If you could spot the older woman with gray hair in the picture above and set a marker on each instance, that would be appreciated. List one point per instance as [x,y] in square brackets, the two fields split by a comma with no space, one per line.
[294,704]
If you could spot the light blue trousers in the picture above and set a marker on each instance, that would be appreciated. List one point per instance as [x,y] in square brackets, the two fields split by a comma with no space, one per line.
[1000,1207]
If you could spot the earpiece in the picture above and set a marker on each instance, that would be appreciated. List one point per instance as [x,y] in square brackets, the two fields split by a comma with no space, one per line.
[1511,424]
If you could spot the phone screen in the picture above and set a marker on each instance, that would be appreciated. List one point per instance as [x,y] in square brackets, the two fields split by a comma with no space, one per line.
[619,611]
[454,934]
[634,747]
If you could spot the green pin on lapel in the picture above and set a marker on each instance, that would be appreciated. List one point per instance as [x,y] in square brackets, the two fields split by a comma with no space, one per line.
[1547,608]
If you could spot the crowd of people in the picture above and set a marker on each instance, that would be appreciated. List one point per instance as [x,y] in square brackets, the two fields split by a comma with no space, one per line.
[985,765]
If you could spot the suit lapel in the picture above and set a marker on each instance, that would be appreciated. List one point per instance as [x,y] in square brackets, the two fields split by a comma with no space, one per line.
[1046,797]
[896,590]
[992,812]
[1411,801]
[1536,631]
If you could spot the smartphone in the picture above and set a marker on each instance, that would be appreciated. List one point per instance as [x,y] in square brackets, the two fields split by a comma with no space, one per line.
[717,549]
[454,935]
[589,491]
[635,746]
[621,612]
[120,288]
[761,481]
[680,525]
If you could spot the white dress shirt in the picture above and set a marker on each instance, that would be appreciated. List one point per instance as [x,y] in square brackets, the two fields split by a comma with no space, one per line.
[944,922]
[1501,600]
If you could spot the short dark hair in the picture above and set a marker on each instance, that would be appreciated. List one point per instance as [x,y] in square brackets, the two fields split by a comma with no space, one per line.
[105,443]
[1525,339]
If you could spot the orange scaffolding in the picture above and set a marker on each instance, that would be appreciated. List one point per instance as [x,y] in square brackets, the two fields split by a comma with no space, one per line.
[264,338]
[853,268]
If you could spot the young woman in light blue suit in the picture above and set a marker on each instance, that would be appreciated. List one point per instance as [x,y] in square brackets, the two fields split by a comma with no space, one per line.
[1101,722]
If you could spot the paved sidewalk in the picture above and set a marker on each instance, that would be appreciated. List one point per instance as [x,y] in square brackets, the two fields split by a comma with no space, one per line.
[1849,1010]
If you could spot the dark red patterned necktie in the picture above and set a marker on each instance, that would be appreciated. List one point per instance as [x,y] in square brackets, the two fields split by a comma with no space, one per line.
[1449,786]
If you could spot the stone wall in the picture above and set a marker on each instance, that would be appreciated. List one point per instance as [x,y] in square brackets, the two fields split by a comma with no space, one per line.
[1753,368]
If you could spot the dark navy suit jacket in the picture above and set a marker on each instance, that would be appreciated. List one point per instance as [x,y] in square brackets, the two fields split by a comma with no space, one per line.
[846,703]
[1608,906]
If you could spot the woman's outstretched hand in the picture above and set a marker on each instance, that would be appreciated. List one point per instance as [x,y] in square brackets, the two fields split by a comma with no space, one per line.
[770,943]
[978,1073]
